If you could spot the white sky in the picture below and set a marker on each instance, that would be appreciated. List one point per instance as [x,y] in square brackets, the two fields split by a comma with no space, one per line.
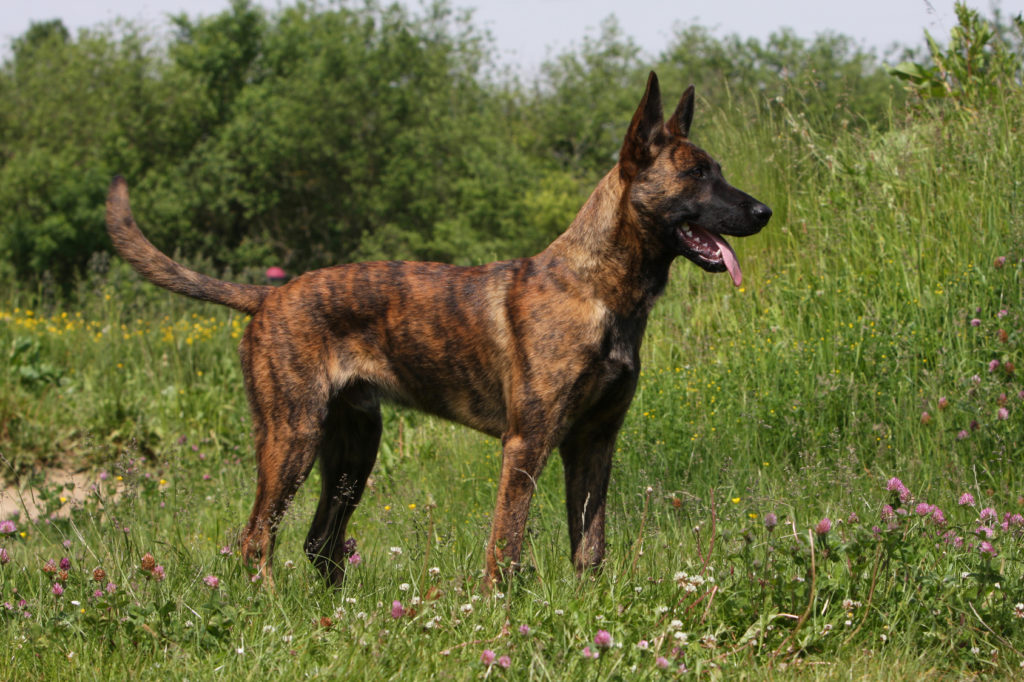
[526,31]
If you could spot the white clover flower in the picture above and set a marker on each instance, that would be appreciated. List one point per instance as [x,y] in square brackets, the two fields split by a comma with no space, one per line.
[434,571]
[269,628]
[1018,610]
[466,608]
[404,587]
[415,601]
[676,624]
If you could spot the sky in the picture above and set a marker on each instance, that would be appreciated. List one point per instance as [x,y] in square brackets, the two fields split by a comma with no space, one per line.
[527,31]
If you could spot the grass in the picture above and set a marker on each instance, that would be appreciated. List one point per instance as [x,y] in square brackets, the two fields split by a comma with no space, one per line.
[878,335]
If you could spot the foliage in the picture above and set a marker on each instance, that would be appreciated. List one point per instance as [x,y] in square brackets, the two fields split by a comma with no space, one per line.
[326,133]
[981,59]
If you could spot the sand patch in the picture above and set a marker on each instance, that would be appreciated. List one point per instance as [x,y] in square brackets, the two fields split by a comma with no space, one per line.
[23,499]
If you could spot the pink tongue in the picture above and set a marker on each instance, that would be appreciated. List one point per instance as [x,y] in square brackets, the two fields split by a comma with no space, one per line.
[729,256]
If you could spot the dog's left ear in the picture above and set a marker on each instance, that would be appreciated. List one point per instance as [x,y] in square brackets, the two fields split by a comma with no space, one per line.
[679,124]
[644,131]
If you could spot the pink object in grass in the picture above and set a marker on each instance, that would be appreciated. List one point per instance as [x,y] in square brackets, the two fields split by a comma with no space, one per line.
[276,273]
[603,639]
[212,581]
[487,657]
[397,610]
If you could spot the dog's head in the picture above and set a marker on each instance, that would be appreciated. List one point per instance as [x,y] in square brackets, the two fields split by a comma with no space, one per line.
[678,190]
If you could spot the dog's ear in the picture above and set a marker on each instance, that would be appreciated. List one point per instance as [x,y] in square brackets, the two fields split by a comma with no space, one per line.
[679,124]
[644,131]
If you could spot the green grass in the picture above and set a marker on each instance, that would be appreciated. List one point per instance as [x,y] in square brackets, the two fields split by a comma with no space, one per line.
[799,395]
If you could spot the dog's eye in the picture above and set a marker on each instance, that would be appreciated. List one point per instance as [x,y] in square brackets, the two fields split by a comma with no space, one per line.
[696,173]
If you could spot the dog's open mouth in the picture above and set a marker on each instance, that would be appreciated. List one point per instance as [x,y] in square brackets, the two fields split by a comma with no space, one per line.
[710,251]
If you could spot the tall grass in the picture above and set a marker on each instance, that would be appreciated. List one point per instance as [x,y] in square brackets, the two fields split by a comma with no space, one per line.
[877,336]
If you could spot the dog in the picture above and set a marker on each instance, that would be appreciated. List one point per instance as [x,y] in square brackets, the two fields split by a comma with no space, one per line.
[542,352]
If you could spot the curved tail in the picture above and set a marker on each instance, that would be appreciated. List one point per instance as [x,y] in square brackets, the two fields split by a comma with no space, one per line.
[152,264]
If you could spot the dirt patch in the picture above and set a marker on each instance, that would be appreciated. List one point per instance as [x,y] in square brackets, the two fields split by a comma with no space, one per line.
[24,500]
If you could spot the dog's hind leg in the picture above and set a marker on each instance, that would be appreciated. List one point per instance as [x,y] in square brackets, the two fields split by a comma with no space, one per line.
[285,452]
[347,454]
[288,410]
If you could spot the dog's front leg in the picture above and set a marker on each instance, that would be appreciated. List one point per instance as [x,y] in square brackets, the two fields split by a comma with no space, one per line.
[587,461]
[522,460]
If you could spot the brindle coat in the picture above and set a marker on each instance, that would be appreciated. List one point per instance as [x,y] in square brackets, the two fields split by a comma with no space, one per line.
[542,352]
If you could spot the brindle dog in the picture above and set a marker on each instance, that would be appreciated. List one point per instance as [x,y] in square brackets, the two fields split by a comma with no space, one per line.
[543,352]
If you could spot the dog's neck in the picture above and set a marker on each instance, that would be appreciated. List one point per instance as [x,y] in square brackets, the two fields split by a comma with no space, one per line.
[605,246]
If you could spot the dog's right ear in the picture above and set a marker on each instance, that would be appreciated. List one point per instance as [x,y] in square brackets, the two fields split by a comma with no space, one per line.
[644,132]
[679,123]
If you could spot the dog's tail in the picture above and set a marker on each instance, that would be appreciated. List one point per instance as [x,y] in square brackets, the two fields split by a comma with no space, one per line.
[152,264]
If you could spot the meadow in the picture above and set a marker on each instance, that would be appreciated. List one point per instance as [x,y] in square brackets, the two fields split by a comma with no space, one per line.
[820,476]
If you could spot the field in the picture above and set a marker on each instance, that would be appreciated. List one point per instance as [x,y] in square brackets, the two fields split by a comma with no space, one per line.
[820,475]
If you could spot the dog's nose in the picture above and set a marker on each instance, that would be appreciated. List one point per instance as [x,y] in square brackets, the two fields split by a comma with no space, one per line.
[761,213]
